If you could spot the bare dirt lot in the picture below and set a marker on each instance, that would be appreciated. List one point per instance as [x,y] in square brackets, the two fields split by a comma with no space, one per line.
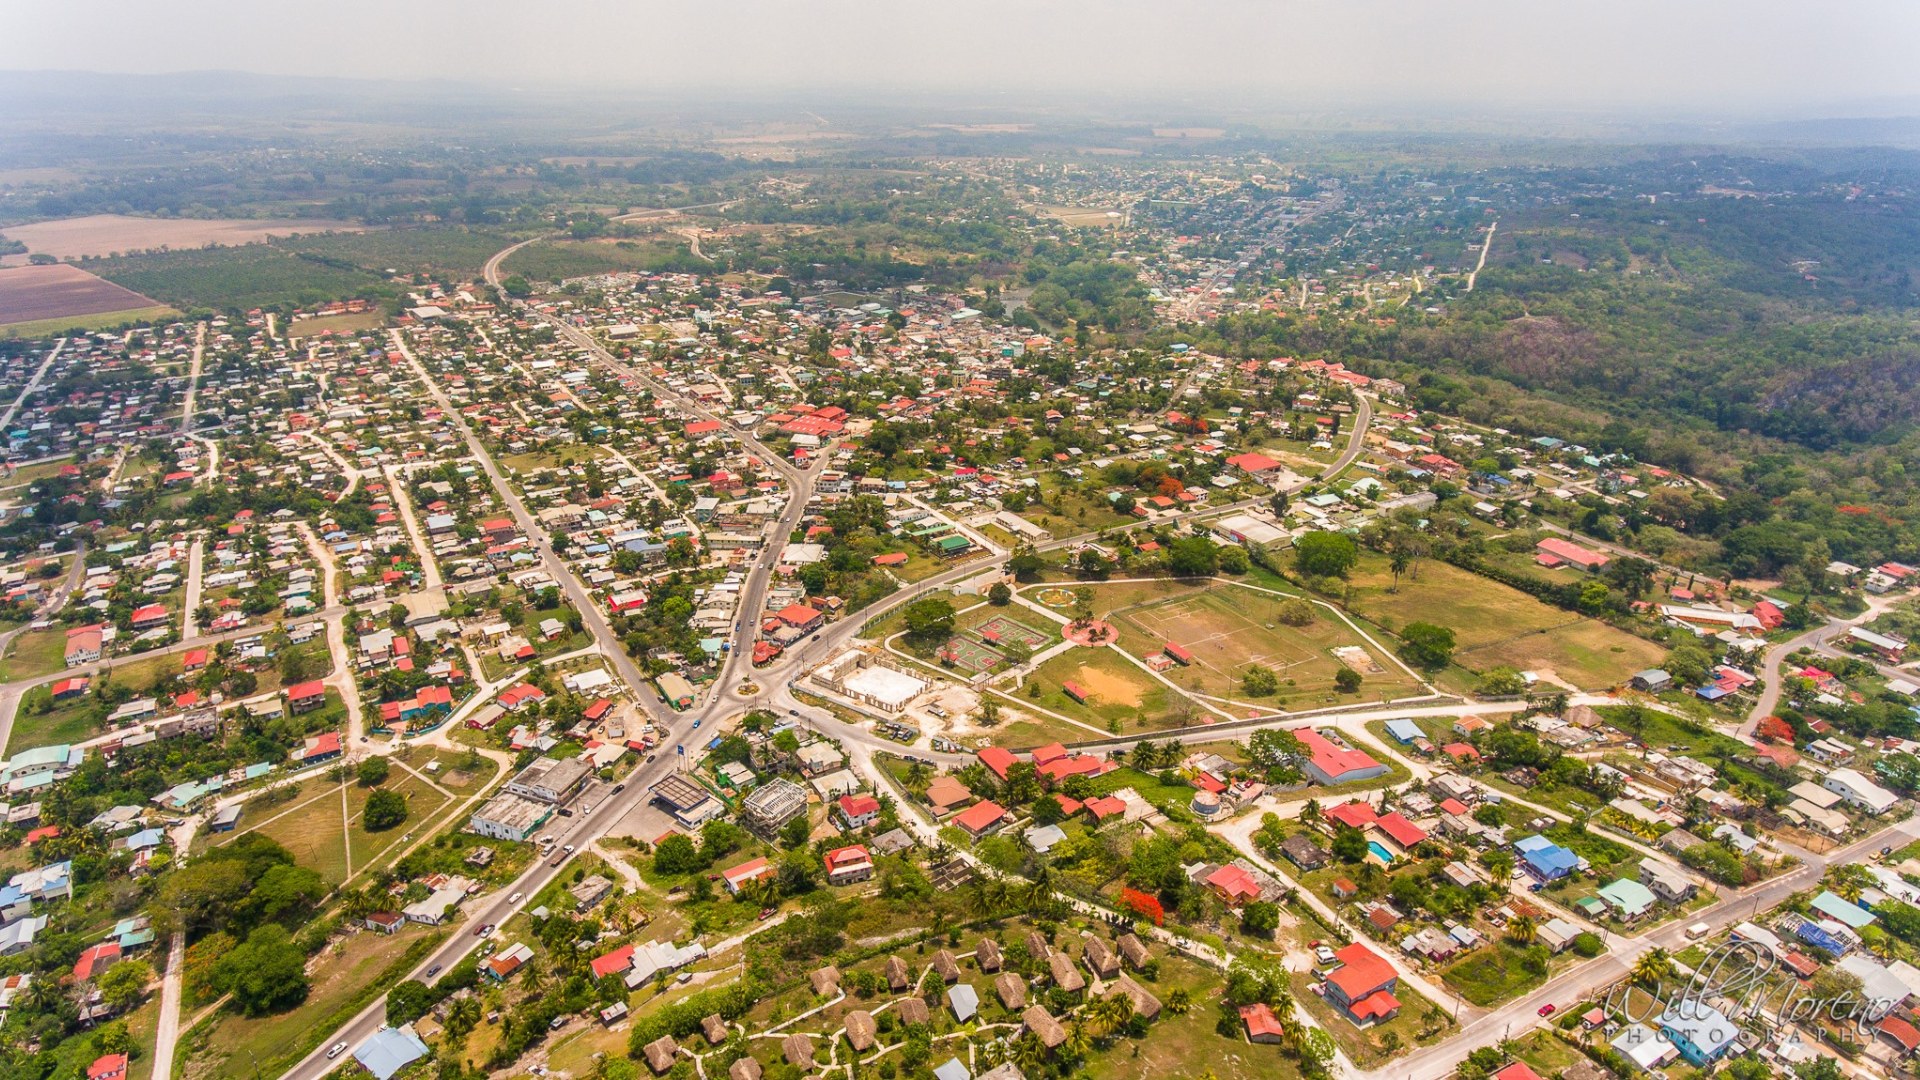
[106,234]
[32,293]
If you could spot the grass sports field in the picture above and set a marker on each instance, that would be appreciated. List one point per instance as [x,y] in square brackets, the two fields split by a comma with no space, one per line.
[1115,690]
[1229,629]
[1495,625]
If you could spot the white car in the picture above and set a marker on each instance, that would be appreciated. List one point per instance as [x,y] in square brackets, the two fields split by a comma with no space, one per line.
[1323,954]
[514,899]
[336,1050]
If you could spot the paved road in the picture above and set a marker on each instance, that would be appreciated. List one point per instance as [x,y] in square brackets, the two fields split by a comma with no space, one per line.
[33,384]
[1816,638]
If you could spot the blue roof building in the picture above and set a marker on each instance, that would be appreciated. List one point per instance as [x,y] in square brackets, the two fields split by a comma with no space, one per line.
[1404,730]
[389,1050]
[1545,859]
[1701,1033]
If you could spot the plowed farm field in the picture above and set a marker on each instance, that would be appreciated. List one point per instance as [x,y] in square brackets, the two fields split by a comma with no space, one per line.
[38,293]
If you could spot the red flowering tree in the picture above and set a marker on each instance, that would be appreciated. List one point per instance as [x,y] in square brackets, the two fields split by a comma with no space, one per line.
[1143,905]
[1775,729]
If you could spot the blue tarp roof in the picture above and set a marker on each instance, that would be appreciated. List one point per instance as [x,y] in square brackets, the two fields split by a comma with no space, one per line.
[1813,935]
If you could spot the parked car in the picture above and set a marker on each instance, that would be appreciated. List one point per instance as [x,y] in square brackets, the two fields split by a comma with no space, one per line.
[432,971]
[1323,954]
[483,931]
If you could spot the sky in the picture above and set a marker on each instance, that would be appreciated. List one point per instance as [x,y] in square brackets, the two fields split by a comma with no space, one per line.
[1648,58]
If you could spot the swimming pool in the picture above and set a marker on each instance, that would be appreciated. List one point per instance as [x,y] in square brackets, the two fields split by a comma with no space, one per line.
[1380,849]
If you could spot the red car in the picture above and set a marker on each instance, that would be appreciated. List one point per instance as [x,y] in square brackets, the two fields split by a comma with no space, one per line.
[1546,1010]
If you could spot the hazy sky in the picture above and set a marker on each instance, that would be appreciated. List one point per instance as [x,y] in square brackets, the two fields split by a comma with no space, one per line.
[1677,57]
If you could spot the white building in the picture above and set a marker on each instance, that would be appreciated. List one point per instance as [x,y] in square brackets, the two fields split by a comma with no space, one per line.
[1860,791]
[510,817]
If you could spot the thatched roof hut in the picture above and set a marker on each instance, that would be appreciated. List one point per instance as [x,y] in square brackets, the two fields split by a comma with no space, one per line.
[660,1052]
[862,1031]
[715,1029]
[826,980]
[798,1050]
[1066,975]
[987,955]
[1012,990]
[1044,1027]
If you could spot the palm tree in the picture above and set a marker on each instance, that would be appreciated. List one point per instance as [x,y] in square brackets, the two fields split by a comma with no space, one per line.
[1112,1013]
[1652,966]
[1079,1041]
[1398,562]
[1028,1053]
[1178,1000]
[1310,813]
[1522,930]
[918,773]
[1847,879]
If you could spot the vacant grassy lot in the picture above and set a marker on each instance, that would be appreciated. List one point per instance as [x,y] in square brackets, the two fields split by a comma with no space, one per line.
[311,827]
[1492,974]
[69,722]
[235,1042]
[33,654]
[1494,625]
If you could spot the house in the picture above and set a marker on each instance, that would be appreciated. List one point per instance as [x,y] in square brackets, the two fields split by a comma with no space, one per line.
[738,877]
[798,1050]
[1101,958]
[1652,680]
[1544,859]
[1233,885]
[589,891]
[386,922]
[859,811]
[1302,852]
[108,1067]
[744,1069]
[502,965]
[1701,1033]
[508,816]
[964,1001]
[1628,899]
[825,981]
[1049,1031]
[848,864]
[1362,986]
[84,646]
[980,818]
[1859,791]
[1667,882]
[1012,990]
[946,966]
[1133,950]
[390,1050]
[317,748]
[987,955]
[550,780]
[1557,933]
[1262,1025]
[1334,764]
[862,1030]
[1065,975]
[1645,1047]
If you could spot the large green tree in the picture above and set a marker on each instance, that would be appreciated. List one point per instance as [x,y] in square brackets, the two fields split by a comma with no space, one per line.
[1325,554]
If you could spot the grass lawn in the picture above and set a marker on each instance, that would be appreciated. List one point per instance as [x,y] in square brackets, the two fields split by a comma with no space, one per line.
[235,1042]
[1492,974]
[34,654]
